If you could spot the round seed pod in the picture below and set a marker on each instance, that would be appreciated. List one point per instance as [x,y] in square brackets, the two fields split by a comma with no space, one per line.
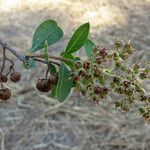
[43,85]
[15,77]
[53,79]
[3,78]
[5,94]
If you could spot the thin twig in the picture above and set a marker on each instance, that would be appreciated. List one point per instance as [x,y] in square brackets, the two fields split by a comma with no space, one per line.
[25,58]
[52,57]
[4,58]
[47,71]
[20,56]
[11,67]
[42,61]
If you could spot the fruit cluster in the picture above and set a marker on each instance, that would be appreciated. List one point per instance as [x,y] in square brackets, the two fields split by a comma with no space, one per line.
[5,93]
[107,73]
[46,84]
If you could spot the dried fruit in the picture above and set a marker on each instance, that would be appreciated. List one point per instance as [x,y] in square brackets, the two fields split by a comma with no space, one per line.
[15,77]
[98,89]
[75,77]
[5,94]
[103,52]
[43,85]
[3,78]
[86,65]
[82,73]
[53,79]
[99,60]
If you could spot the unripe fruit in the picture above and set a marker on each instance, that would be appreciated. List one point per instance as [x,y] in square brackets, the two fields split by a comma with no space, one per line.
[126,83]
[125,108]
[118,44]
[143,75]
[143,98]
[78,64]
[117,104]
[15,77]
[105,90]
[96,72]
[43,85]
[3,78]
[53,79]
[116,80]
[118,64]
[5,94]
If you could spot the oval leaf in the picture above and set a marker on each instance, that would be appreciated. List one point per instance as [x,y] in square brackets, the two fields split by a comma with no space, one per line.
[69,57]
[88,46]
[78,39]
[64,84]
[47,31]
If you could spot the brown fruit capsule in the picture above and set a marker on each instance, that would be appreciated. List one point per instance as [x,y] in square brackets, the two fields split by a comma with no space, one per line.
[98,89]
[3,78]
[53,79]
[5,94]
[82,73]
[99,60]
[86,65]
[43,85]
[15,77]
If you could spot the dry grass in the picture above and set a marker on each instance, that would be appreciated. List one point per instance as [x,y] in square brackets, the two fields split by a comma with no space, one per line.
[33,121]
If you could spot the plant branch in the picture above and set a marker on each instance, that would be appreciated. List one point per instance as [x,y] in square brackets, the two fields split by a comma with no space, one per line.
[23,57]
[44,62]
[20,56]
[52,57]
[11,67]
[4,59]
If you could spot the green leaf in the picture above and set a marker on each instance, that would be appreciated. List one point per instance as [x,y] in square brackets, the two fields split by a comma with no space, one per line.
[52,69]
[88,46]
[30,64]
[69,57]
[78,39]
[53,90]
[64,84]
[46,31]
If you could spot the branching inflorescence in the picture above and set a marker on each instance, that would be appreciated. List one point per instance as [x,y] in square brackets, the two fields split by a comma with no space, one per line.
[102,74]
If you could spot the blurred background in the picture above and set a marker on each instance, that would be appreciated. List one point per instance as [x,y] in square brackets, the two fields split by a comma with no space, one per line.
[33,121]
